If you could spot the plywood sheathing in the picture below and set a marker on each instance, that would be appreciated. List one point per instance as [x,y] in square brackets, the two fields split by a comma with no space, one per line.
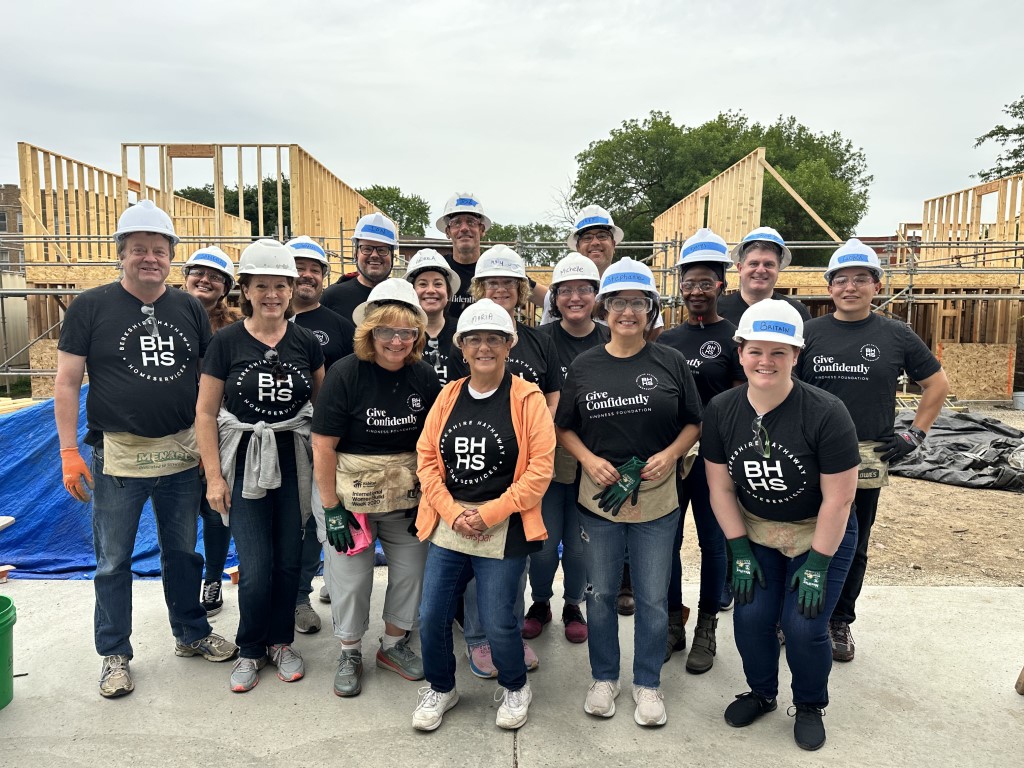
[979,371]
[43,356]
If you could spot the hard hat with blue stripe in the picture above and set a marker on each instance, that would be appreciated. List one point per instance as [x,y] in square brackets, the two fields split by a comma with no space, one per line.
[702,247]
[214,258]
[771,320]
[376,227]
[462,202]
[590,217]
[628,275]
[306,247]
[853,253]
[763,235]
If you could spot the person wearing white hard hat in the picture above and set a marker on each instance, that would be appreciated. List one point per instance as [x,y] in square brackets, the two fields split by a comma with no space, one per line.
[781,458]
[365,426]
[759,257]
[629,412]
[374,242]
[260,379]
[435,282]
[858,355]
[705,340]
[141,345]
[485,461]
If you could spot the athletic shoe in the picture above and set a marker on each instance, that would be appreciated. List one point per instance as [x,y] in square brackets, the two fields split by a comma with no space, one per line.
[726,601]
[325,594]
[400,658]
[115,677]
[625,604]
[480,662]
[842,640]
[433,704]
[288,662]
[601,698]
[532,662]
[650,707]
[808,730]
[212,648]
[515,706]
[747,708]
[348,678]
[307,621]
[575,625]
[246,674]
[211,598]
[538,615]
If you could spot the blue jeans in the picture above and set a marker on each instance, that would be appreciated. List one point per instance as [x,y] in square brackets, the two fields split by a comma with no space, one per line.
[116,510]
[562,521]
[268,538]
[604,552]
[309,561]
[444,581]
[473,630]
[216,539]
[808,648]
[693,491]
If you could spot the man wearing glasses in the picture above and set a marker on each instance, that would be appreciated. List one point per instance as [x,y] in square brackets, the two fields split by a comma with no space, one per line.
[141,345]
[759,258]
[374,242]
[857,355]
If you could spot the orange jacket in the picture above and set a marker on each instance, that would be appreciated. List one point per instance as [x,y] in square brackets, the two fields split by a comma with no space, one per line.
[535,433]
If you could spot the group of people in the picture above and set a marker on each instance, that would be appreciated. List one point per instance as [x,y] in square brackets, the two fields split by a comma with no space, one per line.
[428,414]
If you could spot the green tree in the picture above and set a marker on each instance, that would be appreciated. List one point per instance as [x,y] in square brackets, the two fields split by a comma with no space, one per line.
[1011,160]
[410,212]
[204,196]
[525,235]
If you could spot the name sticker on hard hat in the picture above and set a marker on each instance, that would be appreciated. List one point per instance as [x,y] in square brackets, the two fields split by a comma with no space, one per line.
[763,236]
[591,221]
[313,246]
[373,228]
[774,326]
[853,257]
[466,201]
[627,277]
[707,245]
[214,258]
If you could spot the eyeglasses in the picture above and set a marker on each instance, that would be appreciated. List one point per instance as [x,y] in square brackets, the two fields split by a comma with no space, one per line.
[475,340]
[210,274]
[150,322]
[276,368]
[619,304]
[497,283]
[762,443]
[689,286]
[369,250]
[464,221]
[579,290]
[601,235]
[383,333]
[858,280]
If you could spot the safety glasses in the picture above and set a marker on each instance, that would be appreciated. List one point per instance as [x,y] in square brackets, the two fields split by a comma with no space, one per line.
[762,444]
[384,333]
[619,304]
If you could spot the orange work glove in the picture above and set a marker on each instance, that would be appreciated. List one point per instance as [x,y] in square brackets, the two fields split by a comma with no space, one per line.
[73,468]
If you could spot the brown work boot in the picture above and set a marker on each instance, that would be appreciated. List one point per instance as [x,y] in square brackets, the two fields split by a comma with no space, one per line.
[842,640]
[702,652]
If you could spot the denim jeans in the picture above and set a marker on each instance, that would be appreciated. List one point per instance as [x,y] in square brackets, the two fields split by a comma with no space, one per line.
[473,630]
[268,538]
[562,521]
[808,648]
[116,510]
[444,581]
[604,552]
[866,504]
[216,539]
[693,491]
[309,561]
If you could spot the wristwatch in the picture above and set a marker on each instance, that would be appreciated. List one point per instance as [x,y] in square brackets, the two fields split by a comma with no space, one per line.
[919,434]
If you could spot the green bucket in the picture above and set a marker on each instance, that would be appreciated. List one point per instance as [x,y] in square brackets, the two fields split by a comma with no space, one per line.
[7,618]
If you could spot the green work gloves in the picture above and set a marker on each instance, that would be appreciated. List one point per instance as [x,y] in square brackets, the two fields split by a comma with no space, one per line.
[340,523]
[810,578]
[615,495]
[744,569]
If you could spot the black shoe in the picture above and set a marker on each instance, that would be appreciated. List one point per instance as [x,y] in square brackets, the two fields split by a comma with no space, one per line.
[808,730]
[211,598]
[747,708]
[625,604]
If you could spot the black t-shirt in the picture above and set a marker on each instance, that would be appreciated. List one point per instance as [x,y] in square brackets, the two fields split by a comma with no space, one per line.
[374,411]
[732,306]
[252,391]
[333,331]
[569,347]
[438,349]
[142,384]
[624,407]
[711,353]
[810,433]
[859,363]
[532,358]
[344,297]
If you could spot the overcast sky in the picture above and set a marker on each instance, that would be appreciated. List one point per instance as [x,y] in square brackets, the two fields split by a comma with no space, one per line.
[497,98]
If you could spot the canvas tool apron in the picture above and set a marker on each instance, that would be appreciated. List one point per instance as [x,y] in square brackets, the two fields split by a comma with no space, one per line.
[490,543]
[657,498]
[128,455]
[373,485]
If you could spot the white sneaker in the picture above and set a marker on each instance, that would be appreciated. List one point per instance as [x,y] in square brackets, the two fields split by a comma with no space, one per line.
[650,706]
[601,698]
[428,713]
[515,706]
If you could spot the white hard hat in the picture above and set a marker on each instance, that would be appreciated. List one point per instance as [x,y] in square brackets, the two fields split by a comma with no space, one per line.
[575,266]
[306,247]
[628,275]
[485,315]
[462,202]
[771,320]
[144,216]
[768,235]
[267,257]
[704,247]
[593,216]
[393,290]
[376,227]
[500,261]
[853,253]
[429,260]
[214,258]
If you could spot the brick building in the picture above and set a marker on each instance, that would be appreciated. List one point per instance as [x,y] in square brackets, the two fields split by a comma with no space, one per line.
[12,253]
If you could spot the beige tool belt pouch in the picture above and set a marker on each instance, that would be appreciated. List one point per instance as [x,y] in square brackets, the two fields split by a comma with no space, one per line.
[565,466]
[689,460]
[873,472]
[490,543]
[657,498]
[373,485]
[128,455]
[791,539]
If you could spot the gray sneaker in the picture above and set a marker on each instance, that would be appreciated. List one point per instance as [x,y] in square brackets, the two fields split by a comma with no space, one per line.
[246,674]
[347,680]
[115,677]
[307,621]
[288,662]
[325,594]
[212,648]
[401,659]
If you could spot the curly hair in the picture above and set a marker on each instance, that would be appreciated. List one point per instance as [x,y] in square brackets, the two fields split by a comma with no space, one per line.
[477,290]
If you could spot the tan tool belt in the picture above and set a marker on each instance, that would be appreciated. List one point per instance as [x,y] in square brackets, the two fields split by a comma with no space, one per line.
[565,466]
[873,472]
[128,455]
[374,485]
[657,498]
[490,543]
[791,539]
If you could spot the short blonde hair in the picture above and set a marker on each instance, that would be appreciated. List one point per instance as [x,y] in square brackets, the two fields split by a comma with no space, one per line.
[477,290]
[393,316]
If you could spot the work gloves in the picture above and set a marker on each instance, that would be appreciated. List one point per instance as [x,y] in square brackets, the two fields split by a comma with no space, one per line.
[615,495]
[901,444]
[340,522]
[76,474]
[744,569]
[810,580]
